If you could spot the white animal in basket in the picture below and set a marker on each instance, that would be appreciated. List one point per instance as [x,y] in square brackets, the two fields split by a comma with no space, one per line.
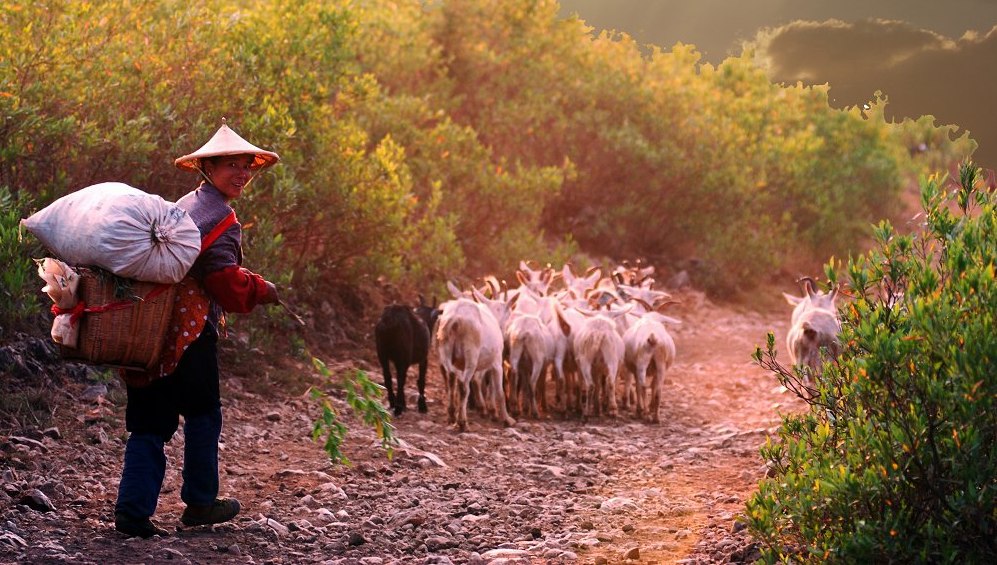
[61,282]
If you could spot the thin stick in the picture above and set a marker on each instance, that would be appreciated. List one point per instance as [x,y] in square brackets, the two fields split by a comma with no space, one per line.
[296,317]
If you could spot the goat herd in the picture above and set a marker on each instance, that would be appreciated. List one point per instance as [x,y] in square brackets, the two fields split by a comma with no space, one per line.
[498,346]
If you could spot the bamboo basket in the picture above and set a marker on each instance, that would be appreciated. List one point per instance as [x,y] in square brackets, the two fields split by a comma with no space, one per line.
[130,331]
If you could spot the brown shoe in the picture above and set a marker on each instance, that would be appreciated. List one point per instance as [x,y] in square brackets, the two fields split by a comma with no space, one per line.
[137,527]
[223,510]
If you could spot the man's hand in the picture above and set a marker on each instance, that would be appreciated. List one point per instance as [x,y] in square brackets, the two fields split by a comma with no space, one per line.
[272,297]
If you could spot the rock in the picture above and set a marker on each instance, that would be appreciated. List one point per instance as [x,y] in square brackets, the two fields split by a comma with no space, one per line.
[12,540]
[32,443]
[618,505]
[632,553]
[356,538]
[415,518]
[280,529]
[36,499]
[436,543]
[505,553]
[679,281]
[324,517]
[93,392]
[172,554]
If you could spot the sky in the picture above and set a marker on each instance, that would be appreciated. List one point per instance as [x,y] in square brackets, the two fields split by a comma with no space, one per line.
[929,57]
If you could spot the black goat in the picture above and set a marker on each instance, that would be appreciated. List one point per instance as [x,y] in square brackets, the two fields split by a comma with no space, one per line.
[403,335]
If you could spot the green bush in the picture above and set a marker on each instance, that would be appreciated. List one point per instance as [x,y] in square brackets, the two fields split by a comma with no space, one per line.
[896,460]
[423,141]
[19,280]
[363,396]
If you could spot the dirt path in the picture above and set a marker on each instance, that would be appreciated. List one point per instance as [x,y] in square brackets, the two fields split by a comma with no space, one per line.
[553,491]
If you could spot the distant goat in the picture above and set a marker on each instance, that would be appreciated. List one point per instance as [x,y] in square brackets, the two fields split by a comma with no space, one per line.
[530,349]
[402,335]
[469,343]
[648,345]
[598,349]
[814,325]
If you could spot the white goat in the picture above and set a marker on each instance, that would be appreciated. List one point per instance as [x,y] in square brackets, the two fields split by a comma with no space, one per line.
[530,350]
[814,325]
[598,351]
[648,344]
[469,344]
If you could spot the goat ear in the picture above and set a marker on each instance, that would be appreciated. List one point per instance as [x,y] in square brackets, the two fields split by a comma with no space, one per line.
[422,300]
[434,302]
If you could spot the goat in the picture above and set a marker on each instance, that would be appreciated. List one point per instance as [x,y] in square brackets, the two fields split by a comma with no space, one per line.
[814,325]
[647,343]
[469,344]
[402,336]
[530,348]
[598,350]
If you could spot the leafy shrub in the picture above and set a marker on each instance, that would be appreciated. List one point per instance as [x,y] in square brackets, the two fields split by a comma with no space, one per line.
[412,152]
[19,281]
[896,459]
[363,396]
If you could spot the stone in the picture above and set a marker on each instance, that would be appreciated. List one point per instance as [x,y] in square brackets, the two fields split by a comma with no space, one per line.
[36,499]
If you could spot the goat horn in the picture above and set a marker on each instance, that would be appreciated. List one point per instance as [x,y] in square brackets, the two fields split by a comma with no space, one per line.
[809,286]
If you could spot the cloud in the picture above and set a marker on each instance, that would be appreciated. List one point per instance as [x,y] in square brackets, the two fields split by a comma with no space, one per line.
[921,71]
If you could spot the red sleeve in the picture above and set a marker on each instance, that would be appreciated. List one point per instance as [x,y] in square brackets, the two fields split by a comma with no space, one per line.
[236,289]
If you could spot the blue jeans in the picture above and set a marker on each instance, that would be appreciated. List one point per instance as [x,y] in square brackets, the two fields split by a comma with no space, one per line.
[152,416]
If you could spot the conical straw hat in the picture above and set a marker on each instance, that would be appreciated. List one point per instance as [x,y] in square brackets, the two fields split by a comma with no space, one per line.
[226,142]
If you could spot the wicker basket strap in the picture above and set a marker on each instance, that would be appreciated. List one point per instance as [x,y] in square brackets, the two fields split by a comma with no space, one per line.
[81,306]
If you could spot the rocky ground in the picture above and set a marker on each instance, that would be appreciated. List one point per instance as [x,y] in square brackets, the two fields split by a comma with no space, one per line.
[549,491]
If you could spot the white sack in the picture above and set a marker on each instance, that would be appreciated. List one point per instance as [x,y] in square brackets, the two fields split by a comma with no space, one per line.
[133,234]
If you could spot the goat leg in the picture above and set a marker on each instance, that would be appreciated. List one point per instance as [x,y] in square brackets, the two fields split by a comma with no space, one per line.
[386,371]
[421,383]
[401,370]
